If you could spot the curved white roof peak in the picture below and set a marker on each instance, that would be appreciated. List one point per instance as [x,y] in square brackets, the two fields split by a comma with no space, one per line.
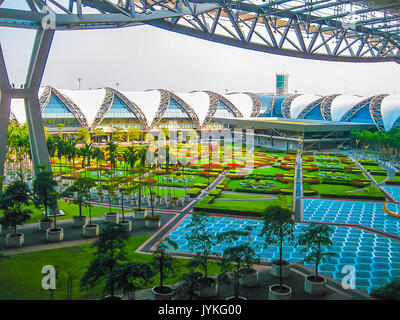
[390,108]
[88,101]
[242,102]
[147,101]
[199,101]
[17,107]
[343,103]
[299,103]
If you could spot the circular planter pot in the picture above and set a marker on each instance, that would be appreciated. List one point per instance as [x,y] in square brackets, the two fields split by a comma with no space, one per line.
[45,225]
[248,279]
[5,231]
[208,289]
[275,292]
[138,214]
[315,286]
[111,217]
[79,222]
[285,269]
[55,235]
[90,231]
[162,202]
[152,224]
[232,298]
[14,241]
[162,293]
[186,198]
[126,225]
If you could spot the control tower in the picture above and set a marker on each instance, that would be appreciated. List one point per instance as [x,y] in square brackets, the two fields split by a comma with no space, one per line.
[282,84]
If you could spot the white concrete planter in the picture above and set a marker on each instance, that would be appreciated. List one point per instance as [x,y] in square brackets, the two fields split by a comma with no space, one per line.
[285,269]
[274,294]
[138,214]
[162,296]
[179,203]
[55,235]
[313,287]
[152,224]
[14,241]
[170,205]
[45,225]
[248,279]
[208,290]
[5,231]
[126,225]
[169,197]
[162,202]
[79,222]
[232,298]
[186,198]
[111,217]
[90,231]
[134,202]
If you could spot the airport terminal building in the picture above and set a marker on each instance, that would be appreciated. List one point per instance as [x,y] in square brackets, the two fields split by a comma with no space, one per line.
[277,119]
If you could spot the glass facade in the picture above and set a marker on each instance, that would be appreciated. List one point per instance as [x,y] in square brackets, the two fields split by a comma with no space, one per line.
[266,103]
[315,113]
[170,116]
[363,116]
[223,111]
[56,113]
[277,112]
[119,116]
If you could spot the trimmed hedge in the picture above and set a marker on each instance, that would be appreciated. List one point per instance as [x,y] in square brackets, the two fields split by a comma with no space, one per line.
[215,192]
[194,192]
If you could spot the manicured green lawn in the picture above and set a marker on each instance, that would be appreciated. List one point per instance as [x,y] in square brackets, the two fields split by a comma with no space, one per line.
[241,196]
[197,179]
[20,276]
[269,171]
[70,210]
[246,206]
[338,190]
[236,186]
[379,178]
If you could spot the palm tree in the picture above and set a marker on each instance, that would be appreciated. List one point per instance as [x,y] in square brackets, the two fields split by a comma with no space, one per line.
[98,155]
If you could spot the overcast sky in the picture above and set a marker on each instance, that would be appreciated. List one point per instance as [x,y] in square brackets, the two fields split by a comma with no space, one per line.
[145,57]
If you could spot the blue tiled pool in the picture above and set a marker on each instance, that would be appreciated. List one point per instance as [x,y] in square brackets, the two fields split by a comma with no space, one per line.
[369,214]
[393,191]
[375,258]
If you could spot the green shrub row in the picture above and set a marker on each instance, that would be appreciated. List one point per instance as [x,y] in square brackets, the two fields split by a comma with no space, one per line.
[194,192]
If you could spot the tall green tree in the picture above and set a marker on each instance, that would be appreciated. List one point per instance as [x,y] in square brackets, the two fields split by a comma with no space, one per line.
[109,256]
[278,228]
[316,239]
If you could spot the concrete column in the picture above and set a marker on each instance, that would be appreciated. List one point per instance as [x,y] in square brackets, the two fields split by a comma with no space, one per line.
[37,65]
[5,100]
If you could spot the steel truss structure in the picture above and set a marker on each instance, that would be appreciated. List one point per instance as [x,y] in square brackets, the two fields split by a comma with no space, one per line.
[257,104]
[285,107]
[337,30]
[165,101]
[108,102]
[215,98]
[374,106]
[375,110]
[326,107]
[309,108]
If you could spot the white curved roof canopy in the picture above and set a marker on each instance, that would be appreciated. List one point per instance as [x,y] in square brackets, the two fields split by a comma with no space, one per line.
[88,101]
[17,107]
[242,102]
[299,103]
[343,103]
[147,101]
[199,101]
[390,109]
